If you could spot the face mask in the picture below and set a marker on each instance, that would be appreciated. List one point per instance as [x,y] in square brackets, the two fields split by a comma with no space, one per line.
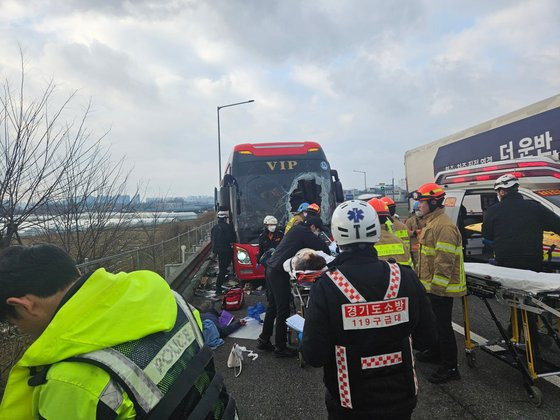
[304,214]
[271,228]
[316,232]
[418,213]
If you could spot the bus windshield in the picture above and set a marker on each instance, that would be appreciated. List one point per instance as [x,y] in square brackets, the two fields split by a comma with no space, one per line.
[277,187]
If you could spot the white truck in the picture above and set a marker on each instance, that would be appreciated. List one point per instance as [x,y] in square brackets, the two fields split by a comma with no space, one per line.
[525,142]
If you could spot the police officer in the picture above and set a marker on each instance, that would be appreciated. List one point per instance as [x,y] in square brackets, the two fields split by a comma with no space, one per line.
[222,237]
[389,245]
[363,317]
[105,345]
[303,235]
[441,271]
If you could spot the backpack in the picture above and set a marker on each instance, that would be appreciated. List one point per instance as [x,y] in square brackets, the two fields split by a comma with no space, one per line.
[233,299]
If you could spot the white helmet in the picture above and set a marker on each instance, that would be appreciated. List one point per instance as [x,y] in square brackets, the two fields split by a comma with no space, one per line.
[506,181]
[355,221]
[222,214]
[270,220]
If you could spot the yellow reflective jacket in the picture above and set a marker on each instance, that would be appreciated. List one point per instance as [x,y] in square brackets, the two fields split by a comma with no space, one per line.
[399,229]
[295,220]
[107,310]
[389,246]
[440,265]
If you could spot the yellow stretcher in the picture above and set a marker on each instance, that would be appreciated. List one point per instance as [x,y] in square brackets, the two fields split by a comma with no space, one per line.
[551,242]
[524,292]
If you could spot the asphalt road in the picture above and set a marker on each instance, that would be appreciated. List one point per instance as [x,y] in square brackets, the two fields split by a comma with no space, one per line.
[272,388]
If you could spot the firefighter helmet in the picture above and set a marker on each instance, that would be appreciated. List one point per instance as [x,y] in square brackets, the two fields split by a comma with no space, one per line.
[388,201]
[379,206]
[270,220]
[429,191]
[313,207]
[355,221]
[302,207]
[506,181]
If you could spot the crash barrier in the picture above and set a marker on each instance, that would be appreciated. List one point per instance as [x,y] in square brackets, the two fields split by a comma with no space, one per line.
[530,296]
[176,250]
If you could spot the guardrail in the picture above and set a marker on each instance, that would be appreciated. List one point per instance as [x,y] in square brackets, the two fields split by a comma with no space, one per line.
[176,250]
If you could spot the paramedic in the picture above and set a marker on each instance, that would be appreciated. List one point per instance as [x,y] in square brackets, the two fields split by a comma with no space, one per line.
[441,271]
[516,226]
[87,326]
[303,235]
[367,360]
[269,238]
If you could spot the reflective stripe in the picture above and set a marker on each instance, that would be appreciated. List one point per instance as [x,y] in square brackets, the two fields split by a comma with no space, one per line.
[112,395]
[389,249]
[440,280]
[342,376]
[381,360]
[456,288]
[145,391]
[170,352]
[426,250]
[407,262]
[190,316]
[452,249]
[394,282]
[427,284]
[403,234]
[389,225]
[345,286]
[413,369]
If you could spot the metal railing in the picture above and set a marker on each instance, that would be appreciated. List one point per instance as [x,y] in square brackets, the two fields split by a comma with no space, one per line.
[154,257]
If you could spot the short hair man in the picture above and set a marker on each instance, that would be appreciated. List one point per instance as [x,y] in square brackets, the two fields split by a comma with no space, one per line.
[114,345]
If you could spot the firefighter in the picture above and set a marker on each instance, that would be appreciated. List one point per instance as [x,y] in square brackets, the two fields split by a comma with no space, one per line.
[389,245]
[297,218]
[97,335]
[441,271]
[394,223]
[414,224]
[223,237]
[363,317]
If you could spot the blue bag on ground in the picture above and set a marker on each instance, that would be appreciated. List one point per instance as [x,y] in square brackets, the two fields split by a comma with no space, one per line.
[255,311]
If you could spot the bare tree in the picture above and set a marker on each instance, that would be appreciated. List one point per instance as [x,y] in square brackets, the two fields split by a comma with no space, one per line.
[37,149]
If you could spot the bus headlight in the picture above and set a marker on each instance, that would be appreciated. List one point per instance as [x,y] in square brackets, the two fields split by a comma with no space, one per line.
[243,256]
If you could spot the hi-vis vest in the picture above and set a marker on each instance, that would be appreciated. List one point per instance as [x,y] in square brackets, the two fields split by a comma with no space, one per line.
[359,315]
[166,374]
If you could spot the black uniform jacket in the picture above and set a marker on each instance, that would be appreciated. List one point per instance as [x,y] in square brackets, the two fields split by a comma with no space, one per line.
[516,226]
[298,237]
[384,391]
[268,240]
[223,236]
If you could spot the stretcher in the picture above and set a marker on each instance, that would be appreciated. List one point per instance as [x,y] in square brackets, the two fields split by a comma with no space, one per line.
[530,296]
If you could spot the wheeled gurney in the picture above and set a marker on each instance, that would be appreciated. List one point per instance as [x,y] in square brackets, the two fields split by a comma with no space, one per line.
[524,292]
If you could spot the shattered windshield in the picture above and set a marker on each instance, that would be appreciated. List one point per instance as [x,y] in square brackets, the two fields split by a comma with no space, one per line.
[278,188]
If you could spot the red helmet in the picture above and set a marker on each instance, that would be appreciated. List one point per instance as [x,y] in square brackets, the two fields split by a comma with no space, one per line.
[314,207]
[388,201]
[379,206]
[429,191]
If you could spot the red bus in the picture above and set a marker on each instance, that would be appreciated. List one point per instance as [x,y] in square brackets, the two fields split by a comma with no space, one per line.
[273,179]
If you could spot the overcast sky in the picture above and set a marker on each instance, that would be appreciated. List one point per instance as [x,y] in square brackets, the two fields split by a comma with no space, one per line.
[366,79]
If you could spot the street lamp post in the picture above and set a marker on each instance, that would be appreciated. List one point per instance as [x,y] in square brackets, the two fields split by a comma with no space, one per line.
[219,142]
[365,182]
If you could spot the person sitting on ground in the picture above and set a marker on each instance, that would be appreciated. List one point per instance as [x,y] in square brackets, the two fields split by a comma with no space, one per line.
[209,312]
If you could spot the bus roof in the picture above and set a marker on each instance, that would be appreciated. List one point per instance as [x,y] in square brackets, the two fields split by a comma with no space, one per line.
[277,148]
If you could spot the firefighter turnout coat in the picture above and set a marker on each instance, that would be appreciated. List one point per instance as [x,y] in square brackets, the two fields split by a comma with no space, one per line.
[440,260]
[400,230]
[390,246]
[414,224]
[120,346]
[363,317]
